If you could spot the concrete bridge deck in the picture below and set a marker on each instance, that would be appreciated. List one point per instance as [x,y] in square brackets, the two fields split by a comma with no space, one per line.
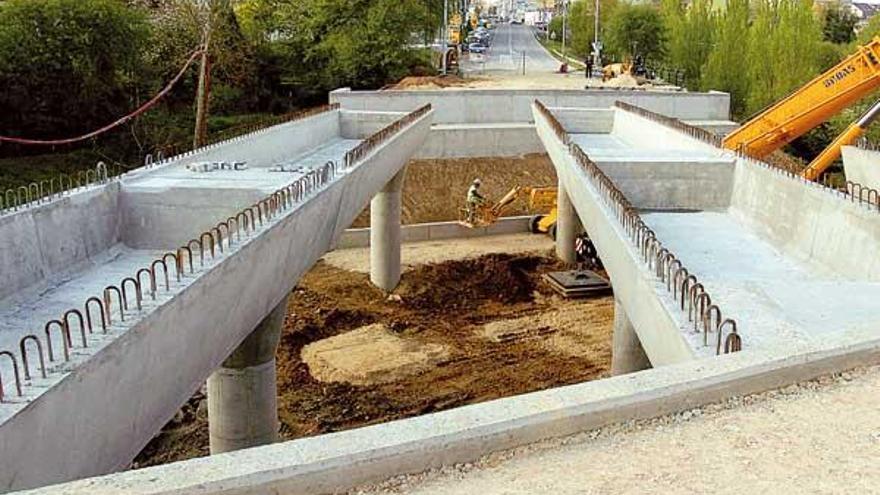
[773,252]
[761,215]
[118,388]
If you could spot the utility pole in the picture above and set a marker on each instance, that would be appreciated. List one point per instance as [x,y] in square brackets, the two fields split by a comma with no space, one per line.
[200,136]
[445,34]
[564,16]
[597,57]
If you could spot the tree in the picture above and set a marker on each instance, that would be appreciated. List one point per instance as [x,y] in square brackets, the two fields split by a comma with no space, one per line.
[582,22]
[727,67]
[68,66]
[839,24]
[359,43]
[636,29]
[690,35]
[784,43]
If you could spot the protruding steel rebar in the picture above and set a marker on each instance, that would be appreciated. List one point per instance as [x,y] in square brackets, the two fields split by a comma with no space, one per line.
[14,371]
[22,345]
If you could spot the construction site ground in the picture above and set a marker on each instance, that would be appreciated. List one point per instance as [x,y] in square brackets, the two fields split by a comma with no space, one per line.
[821,436]
[471,321]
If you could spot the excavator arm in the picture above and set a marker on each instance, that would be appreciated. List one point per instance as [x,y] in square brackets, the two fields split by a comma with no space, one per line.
[814,103]
[849,136]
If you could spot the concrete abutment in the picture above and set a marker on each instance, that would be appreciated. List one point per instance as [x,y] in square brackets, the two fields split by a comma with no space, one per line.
[385,211]
[242,395]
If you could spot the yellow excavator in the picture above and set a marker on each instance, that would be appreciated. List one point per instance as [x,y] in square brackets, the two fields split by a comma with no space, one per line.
[539,199]
[834,90]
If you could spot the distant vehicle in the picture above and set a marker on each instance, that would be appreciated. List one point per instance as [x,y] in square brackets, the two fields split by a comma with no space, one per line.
[477,48]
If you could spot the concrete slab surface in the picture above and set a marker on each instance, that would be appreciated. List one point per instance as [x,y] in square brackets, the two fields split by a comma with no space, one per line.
[776,299]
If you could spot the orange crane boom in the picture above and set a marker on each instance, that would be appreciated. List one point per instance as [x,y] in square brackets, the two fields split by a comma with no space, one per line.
[814,103]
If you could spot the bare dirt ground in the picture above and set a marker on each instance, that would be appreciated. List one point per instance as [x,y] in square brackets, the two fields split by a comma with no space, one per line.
[435,190]
[419,253]
[821,436]
[442,318]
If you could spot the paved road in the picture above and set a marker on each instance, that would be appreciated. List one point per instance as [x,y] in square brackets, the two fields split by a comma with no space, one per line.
[506,53]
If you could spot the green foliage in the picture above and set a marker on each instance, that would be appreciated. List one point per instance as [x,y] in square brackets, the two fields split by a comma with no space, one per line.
[690,36]
[870,30]
[783,42]
[583,23]
[67,65]
[727,67]
[358,43]
[838,23]
[636,29]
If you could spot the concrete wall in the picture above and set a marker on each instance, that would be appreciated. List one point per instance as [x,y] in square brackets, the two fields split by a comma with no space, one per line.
[353,238]
[133,384]
[508,105]
[164,218]
[267,147]
[807,222]
[361,125]
[42,241]
[478,140]
[658,185]
[862,166]
[585,120]
[634,285]
[634,128]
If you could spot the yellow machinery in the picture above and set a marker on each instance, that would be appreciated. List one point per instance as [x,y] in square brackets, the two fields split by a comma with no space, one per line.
[539,199]
[817,101]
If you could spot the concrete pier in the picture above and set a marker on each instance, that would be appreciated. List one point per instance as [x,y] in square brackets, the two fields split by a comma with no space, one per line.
[385,234]
[627,354]
[567,225]
[242,404]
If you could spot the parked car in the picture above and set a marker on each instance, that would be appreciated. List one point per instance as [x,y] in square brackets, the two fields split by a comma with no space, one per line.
[477,48]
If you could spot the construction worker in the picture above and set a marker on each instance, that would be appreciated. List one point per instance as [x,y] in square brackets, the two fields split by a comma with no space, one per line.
[474,200]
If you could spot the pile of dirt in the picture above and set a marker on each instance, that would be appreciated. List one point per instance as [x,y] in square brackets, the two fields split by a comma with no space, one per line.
[501,277]
[431,82]
[435,190]
[441,307]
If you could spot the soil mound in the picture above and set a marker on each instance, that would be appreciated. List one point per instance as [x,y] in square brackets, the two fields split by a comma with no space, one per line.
[504,278]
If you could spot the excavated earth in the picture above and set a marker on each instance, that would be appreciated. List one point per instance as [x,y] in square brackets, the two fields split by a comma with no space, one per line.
[460,332]
[434,190]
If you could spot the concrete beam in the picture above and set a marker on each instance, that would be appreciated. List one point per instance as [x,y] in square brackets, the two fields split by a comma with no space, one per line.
[627,354]
[385,210]
[242,396]
[166,349]
[660,332]
[514,105]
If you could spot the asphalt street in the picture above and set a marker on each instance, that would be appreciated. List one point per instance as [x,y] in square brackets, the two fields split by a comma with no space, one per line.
[513,46]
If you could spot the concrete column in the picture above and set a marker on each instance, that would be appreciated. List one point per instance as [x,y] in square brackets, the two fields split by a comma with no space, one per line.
[627,354]
[567,225]
[385,234]
[242,398]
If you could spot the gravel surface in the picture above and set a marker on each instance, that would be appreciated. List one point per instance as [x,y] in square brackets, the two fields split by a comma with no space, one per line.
[821,436]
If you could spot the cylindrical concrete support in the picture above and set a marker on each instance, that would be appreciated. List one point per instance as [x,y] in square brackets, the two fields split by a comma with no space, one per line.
[627,354]
[242,398]
[567,225]
[385,234]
